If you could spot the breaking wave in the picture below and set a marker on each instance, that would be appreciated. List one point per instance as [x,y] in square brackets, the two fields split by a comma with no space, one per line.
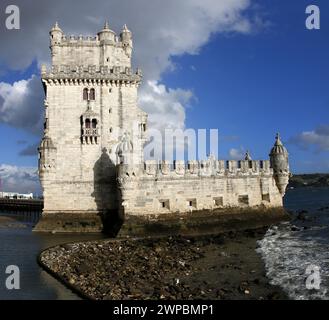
[291,253]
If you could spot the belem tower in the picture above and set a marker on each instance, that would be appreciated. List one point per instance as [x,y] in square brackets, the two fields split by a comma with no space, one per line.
[91,162]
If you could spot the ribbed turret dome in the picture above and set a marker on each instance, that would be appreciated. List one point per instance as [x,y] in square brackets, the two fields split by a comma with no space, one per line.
[56,28]
[106,33]
[247,156]
[125,29]
[278,147]
[126,35]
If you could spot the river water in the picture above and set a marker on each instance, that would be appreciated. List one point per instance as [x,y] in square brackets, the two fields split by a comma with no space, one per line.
[296,254]
[20,247]
[287,249]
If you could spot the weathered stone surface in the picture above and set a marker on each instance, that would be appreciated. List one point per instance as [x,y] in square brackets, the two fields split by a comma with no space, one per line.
[176,192]
[78,157]
[70,222]
[91,164]
[201,222]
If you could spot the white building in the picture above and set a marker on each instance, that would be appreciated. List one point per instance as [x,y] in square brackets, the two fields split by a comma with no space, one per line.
[15,195]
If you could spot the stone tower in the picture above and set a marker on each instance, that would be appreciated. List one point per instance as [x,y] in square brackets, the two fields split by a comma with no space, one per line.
[280,164]
[90,106]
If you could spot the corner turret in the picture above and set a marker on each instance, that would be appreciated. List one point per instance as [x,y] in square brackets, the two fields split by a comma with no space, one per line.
[126,38]
[280,164]
[106,34]
[47,159]
[56,34]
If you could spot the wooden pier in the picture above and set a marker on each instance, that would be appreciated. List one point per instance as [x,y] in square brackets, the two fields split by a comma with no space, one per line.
[27,209]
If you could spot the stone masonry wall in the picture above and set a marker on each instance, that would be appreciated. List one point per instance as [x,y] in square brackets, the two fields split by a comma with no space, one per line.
[160,189]
[78,169]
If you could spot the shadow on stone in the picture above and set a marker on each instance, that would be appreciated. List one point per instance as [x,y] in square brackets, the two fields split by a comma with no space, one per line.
[106,194]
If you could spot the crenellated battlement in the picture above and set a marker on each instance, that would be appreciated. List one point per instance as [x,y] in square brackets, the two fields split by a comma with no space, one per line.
[105,49]
[91,72]
[207,168]
[84,39]
[108,36]
[161,187]
[88,40]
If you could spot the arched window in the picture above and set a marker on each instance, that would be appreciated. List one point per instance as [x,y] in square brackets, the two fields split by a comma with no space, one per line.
[87,123]
[92,94]
[94,123]
[85,94]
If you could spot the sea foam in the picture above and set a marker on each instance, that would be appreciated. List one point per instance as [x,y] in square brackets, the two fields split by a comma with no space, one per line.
[288,251]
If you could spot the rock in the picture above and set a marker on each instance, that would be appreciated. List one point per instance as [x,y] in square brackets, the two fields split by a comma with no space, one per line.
[83,268]
[243,287]
[67,246]
[157,249]
[274,296]
[164,268]
[301,215]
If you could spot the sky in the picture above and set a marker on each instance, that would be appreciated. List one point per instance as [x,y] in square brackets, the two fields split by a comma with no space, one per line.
[249,68]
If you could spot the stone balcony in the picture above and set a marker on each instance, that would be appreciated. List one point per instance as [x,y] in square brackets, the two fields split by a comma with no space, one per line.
[90,136]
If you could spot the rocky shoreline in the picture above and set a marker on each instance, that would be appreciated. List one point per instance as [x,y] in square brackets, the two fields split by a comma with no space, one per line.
[224,266]
[11,223]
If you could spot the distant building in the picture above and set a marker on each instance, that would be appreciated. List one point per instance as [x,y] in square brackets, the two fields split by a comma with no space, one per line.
[15,195]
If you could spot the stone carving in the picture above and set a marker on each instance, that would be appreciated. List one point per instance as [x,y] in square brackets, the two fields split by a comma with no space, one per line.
[179,167]
[165,167]
[151,167]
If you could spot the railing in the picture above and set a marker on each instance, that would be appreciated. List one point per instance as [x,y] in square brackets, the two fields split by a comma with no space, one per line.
[20,204]
[21,209]
[90,132]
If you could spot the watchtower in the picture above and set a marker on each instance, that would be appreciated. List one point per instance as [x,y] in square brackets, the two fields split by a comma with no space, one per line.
[90,104]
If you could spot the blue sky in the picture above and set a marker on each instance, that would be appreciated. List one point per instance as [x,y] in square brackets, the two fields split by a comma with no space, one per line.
[274,80]
[261,73]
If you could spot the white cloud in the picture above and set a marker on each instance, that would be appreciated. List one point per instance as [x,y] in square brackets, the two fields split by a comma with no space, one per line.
[161,29]
[237,154]
[166,107]
[21,104]
[19,179]
[166,110]
[317,138]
